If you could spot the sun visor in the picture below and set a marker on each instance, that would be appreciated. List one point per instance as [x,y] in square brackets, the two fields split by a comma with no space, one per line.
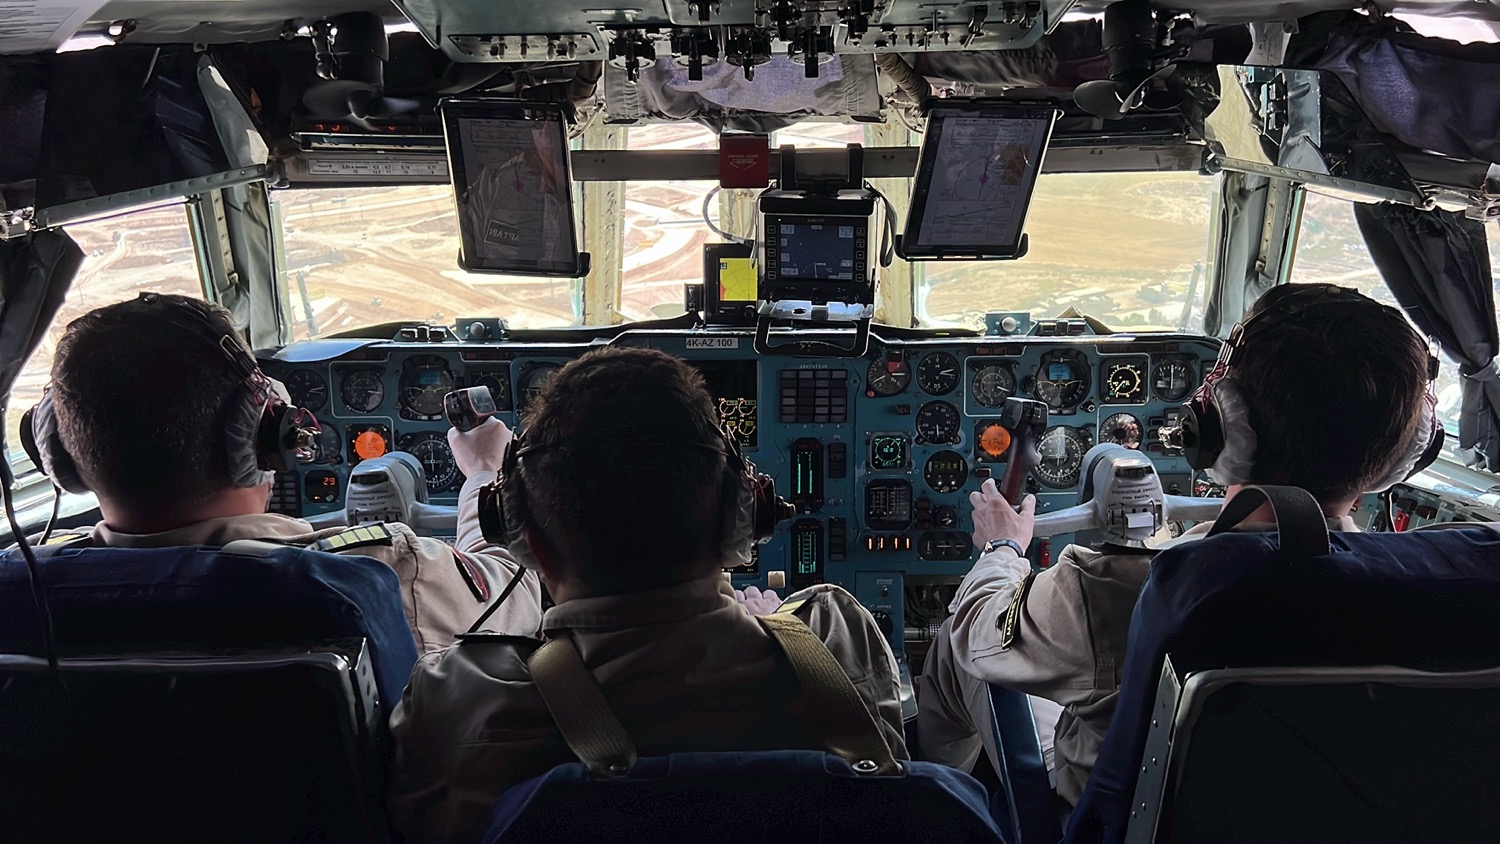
[779,96]
[119,126]
[1301,125]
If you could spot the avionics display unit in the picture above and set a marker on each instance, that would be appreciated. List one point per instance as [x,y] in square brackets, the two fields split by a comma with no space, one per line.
[817,249]
[513,187]
[975,174]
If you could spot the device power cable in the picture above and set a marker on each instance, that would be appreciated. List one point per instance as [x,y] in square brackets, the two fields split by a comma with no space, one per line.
[33,568]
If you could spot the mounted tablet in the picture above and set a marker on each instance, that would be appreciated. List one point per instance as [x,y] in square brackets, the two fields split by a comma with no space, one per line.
[975,175]
[513,187]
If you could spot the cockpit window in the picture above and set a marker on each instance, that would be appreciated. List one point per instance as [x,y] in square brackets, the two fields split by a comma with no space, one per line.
[149,250]
[362,256]
[1330,249]
[1131,249]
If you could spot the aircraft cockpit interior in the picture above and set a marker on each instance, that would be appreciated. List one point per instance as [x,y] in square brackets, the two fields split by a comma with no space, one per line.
[915,250]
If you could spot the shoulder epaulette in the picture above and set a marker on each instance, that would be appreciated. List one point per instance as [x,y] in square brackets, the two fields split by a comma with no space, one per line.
[1010,623]
[492,638]
[356,537]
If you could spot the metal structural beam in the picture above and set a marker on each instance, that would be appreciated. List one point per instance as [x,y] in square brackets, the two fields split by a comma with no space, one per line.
[603,207]
[896,304]
[604,165]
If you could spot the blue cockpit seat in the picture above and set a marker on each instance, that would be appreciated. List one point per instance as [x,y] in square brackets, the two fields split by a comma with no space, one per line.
[1300,598]
[1025,806]
[1374,754]
[857,791]
[243,745]
[247,594]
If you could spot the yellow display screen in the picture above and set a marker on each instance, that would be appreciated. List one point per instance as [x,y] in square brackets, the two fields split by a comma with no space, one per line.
[737,281]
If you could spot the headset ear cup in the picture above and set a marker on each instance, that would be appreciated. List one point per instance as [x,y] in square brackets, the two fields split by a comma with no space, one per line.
[741,516]
[245,432]
[1202,434]
[42,442]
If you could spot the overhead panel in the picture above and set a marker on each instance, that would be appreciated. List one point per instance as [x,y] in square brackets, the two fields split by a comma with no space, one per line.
[742,32]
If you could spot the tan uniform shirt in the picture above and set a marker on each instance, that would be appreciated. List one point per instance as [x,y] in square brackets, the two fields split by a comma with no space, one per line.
[1069,647]
[443,592]
[685,668]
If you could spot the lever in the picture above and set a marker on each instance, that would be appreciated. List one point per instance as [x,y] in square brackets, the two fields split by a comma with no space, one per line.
[1026,420]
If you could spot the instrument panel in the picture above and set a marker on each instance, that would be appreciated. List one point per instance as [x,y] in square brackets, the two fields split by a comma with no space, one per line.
[877,453]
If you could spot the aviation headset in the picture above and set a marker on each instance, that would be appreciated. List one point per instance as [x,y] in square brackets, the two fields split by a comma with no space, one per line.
[264,431]
[1214,430]
[750,507]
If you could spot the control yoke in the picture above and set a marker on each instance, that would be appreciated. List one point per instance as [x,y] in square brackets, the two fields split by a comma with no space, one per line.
[1122,497]
[1026,420]
[390,488]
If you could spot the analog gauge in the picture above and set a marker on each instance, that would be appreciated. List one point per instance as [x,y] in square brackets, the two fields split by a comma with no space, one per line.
[308,389]
[1121,429]
[499,389]
[431,450]
[362,390]
[330,447]
[1062,451]
[1062,380]
[534,379]
[993,384]
[938,373]
[946,471]
[425,380]
[889,452]
[367,442]
[937,422]
[1125,383]
[1172,379]
[887,376]
[993,439]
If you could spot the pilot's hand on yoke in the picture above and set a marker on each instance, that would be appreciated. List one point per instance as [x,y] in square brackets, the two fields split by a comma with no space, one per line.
[756,601]
[995,518]
[482,449]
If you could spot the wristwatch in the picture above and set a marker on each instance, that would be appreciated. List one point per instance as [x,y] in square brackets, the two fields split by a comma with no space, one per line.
[995,544]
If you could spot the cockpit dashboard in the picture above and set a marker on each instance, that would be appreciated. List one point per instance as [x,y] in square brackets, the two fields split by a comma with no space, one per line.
[878,453]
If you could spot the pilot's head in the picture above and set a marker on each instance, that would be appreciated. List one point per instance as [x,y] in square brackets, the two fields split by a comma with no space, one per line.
[622,495]
[1335,383]
[141,391]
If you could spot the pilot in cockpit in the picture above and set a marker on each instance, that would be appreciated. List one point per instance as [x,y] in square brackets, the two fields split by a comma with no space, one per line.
[155,403]
[1320,387]
[630,500]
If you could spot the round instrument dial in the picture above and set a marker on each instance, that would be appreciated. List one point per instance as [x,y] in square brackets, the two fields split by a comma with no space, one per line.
[887,377]
[499,388]
[993,384]
[1121,429]
[938,373]
[1062,451]
[1124,382]
[1172,379]
[946,471]
[362,390]
[424,383]
[1062,380]
[534,379]
[889,452]
[937,422]
[994,441]
[438,467]
[308,389]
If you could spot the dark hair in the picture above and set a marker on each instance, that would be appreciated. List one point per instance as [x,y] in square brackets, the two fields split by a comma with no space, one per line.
[620,490]
[1336,390]
[141,390]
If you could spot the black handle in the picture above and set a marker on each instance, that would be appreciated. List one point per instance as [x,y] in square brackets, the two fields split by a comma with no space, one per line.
[1026,420]
[812,348]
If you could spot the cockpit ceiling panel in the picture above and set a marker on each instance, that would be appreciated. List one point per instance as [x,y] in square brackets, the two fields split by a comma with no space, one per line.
[1246,11]
[472,30]
[218,22]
